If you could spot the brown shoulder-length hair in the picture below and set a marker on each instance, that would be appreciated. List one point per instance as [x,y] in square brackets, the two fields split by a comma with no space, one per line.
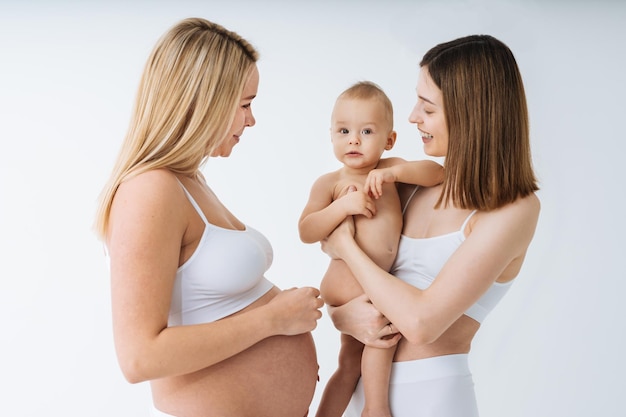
[488,163]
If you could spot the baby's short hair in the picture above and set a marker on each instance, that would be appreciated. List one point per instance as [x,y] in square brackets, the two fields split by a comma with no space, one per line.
[367,90]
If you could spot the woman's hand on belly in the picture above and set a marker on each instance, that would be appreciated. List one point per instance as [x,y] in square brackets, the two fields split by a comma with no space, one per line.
[294,311]
[275,377]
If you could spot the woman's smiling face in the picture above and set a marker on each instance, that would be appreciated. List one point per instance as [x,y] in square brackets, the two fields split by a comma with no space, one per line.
[243,116]
[429,116]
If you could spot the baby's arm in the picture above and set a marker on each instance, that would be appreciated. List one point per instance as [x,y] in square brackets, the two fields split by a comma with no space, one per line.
[322,214]
[425,172]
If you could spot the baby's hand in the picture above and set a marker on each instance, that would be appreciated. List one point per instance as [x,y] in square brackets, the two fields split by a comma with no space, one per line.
[375,180]
[357,202]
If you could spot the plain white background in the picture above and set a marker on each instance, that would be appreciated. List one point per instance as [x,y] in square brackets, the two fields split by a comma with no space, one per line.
[68,76]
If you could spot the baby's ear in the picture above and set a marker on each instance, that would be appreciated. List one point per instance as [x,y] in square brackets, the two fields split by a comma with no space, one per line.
[391,140]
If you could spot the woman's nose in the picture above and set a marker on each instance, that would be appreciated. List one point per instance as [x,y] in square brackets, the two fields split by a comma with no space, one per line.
[415,117]
[250,120]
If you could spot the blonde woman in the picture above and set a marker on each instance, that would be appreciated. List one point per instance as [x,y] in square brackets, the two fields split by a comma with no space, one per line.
[463,242]
[192,311]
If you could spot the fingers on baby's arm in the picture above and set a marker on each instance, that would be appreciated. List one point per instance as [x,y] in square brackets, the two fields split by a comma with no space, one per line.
[373,183]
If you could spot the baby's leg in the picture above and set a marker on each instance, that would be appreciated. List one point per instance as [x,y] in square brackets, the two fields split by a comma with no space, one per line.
[376,371]
[338,287]
[342,383]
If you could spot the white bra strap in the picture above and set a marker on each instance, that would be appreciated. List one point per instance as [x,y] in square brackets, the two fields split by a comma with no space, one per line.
[467,220]
[193,203]
[408,200]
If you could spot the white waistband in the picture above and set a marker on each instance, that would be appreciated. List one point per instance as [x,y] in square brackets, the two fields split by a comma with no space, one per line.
[430,368]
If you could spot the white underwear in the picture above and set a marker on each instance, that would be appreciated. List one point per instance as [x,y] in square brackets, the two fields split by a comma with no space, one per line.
[441,386]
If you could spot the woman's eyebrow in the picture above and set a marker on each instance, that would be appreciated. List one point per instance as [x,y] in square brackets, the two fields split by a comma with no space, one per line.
[427,100]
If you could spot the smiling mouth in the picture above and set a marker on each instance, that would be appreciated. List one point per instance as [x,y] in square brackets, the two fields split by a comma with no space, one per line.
[426,135]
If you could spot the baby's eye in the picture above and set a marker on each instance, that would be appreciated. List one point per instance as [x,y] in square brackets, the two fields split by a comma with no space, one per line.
[344,131]
[367,131]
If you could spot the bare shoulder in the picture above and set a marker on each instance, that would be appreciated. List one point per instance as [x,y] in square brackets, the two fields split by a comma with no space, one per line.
[527,207]
[330,177]
[524,209]
[153,196]
[155,186]
[514,223]
[154,179]
[327,181]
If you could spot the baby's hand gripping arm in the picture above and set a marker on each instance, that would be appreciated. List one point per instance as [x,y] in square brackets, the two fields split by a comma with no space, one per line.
[426,173]
[322,214]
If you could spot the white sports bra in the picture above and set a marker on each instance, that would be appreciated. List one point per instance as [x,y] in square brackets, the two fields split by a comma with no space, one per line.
[224,274]
[419,261]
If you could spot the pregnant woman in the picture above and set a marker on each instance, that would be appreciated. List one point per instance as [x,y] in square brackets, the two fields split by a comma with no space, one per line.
[192,310]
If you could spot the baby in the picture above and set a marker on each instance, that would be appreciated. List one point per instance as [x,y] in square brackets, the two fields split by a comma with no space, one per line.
[361,130]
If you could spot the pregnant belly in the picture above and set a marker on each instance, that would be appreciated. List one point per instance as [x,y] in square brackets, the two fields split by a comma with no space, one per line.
[276,377]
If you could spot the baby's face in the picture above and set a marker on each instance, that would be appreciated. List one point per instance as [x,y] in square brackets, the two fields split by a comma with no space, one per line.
[360,132]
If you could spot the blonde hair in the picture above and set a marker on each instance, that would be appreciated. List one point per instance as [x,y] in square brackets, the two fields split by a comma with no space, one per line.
[186,102]
[488,163]
[367,90]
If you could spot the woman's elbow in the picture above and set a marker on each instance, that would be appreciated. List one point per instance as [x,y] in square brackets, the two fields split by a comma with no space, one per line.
[133,379]
[419,333]
[133,368]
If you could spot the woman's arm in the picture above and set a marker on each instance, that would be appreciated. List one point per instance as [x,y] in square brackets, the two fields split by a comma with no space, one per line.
[147,229]
[495,247]
[425,173]
[360,319]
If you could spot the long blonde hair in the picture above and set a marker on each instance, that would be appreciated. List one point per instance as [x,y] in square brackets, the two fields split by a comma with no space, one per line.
[186,102]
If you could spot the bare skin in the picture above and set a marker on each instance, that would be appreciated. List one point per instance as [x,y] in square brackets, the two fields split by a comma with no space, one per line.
[378,236]
[260,361]
[432,321]
[247,384]
[458,337]
[443,328]
[334,196]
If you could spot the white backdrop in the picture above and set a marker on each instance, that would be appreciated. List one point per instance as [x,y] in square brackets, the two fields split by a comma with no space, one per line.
[68,75]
